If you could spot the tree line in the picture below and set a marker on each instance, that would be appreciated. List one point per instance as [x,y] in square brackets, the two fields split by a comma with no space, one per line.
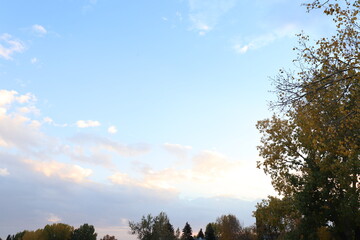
[226,227]
[60,231]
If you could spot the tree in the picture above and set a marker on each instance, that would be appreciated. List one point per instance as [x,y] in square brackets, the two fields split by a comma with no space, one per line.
[108,237]
[58,231]
[229,227]
[209,232]
[248,233]
[162,228]
[200,234]
[276,219]
[150,228]
[312,152]
[35,235]
[84,232]
[142,229]
[177,234]
[187,232]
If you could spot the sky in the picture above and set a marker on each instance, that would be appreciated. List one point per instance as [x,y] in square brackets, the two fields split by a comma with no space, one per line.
[111,110]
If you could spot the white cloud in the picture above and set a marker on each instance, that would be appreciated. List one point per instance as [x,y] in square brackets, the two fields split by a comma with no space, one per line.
[3,171]
[177,149]
[8,97]
[38,29]
[87,123]
[64,171]
[9,46]
[266,39]
[53,218]
[208,168]
[112,130]
[34,60]
[205,14]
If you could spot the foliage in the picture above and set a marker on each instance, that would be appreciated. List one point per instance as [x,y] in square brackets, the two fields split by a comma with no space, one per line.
[108,237]
[58,231]
[312,153]
[229,227]
[200,234]
[248,233]
[177,234]
[276,218]
[84,232]
[150,228]
[35,235]
[210,232]
[187,232]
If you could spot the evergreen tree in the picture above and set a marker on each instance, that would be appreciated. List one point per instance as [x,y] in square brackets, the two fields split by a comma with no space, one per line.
[200,234]
[187,232]
[209,232]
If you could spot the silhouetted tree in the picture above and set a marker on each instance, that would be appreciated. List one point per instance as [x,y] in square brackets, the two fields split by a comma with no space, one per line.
[209,232]
[153,228]
[200,234]
[84,232]
[178,234]
[107,237]
[187,232]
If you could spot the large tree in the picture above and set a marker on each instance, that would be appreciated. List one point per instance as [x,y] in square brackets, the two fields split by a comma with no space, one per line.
[58,231]
[312,151]
[229,227]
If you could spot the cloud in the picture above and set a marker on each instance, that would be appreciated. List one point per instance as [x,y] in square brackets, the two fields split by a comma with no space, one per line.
[266,39]
[93,155]
[89,6]
[64,171]
[53,218]
[177,149]
[8,97]
[34,60]
[16,129]
[4,172]
[205,14]
[208,168]
[112,130]
[87,123]
[128,150]
[9,46]
[39,30]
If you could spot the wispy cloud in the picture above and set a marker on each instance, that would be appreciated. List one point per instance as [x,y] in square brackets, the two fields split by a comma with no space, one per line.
[128,150]
[207,168]
[34,60]
[87,123]
[9,46]
[205,14]
[112,130]
[4,172]
[261,41]
[178,150]
[89,6]
[38,30]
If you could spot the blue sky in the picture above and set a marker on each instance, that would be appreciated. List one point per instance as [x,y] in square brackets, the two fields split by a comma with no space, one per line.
[110,110]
